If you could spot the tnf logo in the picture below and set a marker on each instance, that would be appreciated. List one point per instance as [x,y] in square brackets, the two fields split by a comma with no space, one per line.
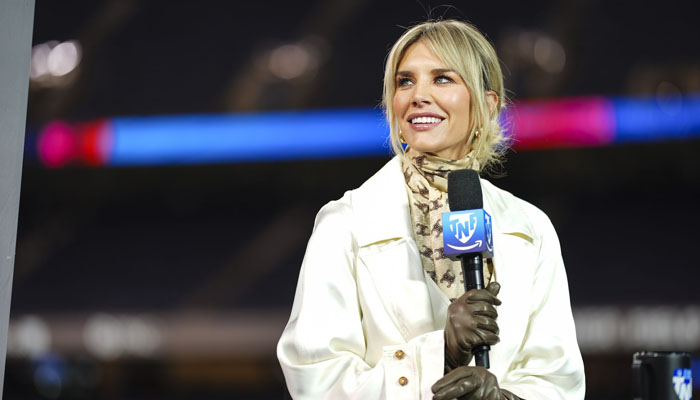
[467,231]
[463,226]
[683,383]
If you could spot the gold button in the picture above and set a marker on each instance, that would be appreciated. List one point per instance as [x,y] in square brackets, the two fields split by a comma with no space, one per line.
[399,354]
[403,381]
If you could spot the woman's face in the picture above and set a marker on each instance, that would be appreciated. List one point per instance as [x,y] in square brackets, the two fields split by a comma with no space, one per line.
[431,104]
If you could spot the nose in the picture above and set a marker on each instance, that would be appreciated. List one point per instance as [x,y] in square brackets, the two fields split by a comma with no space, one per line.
[421,95]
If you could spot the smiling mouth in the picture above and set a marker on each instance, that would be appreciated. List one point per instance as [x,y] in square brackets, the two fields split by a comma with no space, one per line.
[425,120]
[424,123]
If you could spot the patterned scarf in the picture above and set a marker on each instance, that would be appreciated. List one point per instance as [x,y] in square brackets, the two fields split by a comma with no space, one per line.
[426,179]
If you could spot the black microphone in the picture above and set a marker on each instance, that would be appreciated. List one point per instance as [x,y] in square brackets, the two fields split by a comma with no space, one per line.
[468,236]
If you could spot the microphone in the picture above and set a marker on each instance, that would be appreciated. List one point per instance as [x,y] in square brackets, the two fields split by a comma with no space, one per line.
[468,235]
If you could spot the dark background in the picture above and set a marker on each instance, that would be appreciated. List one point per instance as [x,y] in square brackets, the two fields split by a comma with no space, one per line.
[173,240]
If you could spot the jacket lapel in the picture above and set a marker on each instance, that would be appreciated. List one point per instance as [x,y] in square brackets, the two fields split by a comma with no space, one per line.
[380,207]
[508,217]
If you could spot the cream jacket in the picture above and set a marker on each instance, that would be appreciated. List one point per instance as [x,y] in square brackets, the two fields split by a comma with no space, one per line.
[363,295]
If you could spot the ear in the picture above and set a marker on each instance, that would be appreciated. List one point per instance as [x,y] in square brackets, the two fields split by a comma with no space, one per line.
[491,101]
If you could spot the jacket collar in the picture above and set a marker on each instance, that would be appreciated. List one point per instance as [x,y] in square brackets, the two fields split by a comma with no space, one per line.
[380,206]
[381,212]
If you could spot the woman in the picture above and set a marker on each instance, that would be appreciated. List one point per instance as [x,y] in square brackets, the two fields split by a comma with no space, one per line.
[380,312]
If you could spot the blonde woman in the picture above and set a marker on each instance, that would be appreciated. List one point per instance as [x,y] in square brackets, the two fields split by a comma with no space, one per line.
[380,312]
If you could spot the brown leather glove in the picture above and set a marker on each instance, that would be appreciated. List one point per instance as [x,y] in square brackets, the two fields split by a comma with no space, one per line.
[471,320]
[470,383]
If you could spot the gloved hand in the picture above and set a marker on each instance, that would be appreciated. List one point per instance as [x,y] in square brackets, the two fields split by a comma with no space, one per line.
[471,320]
[470,383]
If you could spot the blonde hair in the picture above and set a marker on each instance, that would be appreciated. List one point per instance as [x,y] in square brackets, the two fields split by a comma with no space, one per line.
[466,51]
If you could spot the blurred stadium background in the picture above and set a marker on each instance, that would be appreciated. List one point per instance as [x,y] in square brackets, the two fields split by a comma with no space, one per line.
[157,255]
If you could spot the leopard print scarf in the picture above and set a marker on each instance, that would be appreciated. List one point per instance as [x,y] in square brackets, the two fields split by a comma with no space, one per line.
[426,181]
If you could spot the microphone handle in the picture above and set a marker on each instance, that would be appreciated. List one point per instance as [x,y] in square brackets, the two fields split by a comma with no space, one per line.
[473,272]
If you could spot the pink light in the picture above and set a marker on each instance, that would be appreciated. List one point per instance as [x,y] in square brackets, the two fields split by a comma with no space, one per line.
[57,144]
[588,121]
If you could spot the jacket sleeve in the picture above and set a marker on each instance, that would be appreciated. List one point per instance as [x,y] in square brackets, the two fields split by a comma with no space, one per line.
[549,364]
[322,349]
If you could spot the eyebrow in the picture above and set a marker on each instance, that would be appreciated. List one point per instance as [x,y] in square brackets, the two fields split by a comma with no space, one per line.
[436,71]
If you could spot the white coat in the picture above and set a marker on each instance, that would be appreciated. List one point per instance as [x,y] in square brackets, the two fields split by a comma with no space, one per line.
[362,295]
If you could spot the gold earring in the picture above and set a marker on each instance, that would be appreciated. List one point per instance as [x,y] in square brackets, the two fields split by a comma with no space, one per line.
[401,139]
[477,134]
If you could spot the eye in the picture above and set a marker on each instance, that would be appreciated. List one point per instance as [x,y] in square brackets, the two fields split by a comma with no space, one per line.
[443,79]
[403,81]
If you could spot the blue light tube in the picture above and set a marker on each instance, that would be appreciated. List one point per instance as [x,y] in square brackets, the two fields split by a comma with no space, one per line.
[641,119]
[248,137]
